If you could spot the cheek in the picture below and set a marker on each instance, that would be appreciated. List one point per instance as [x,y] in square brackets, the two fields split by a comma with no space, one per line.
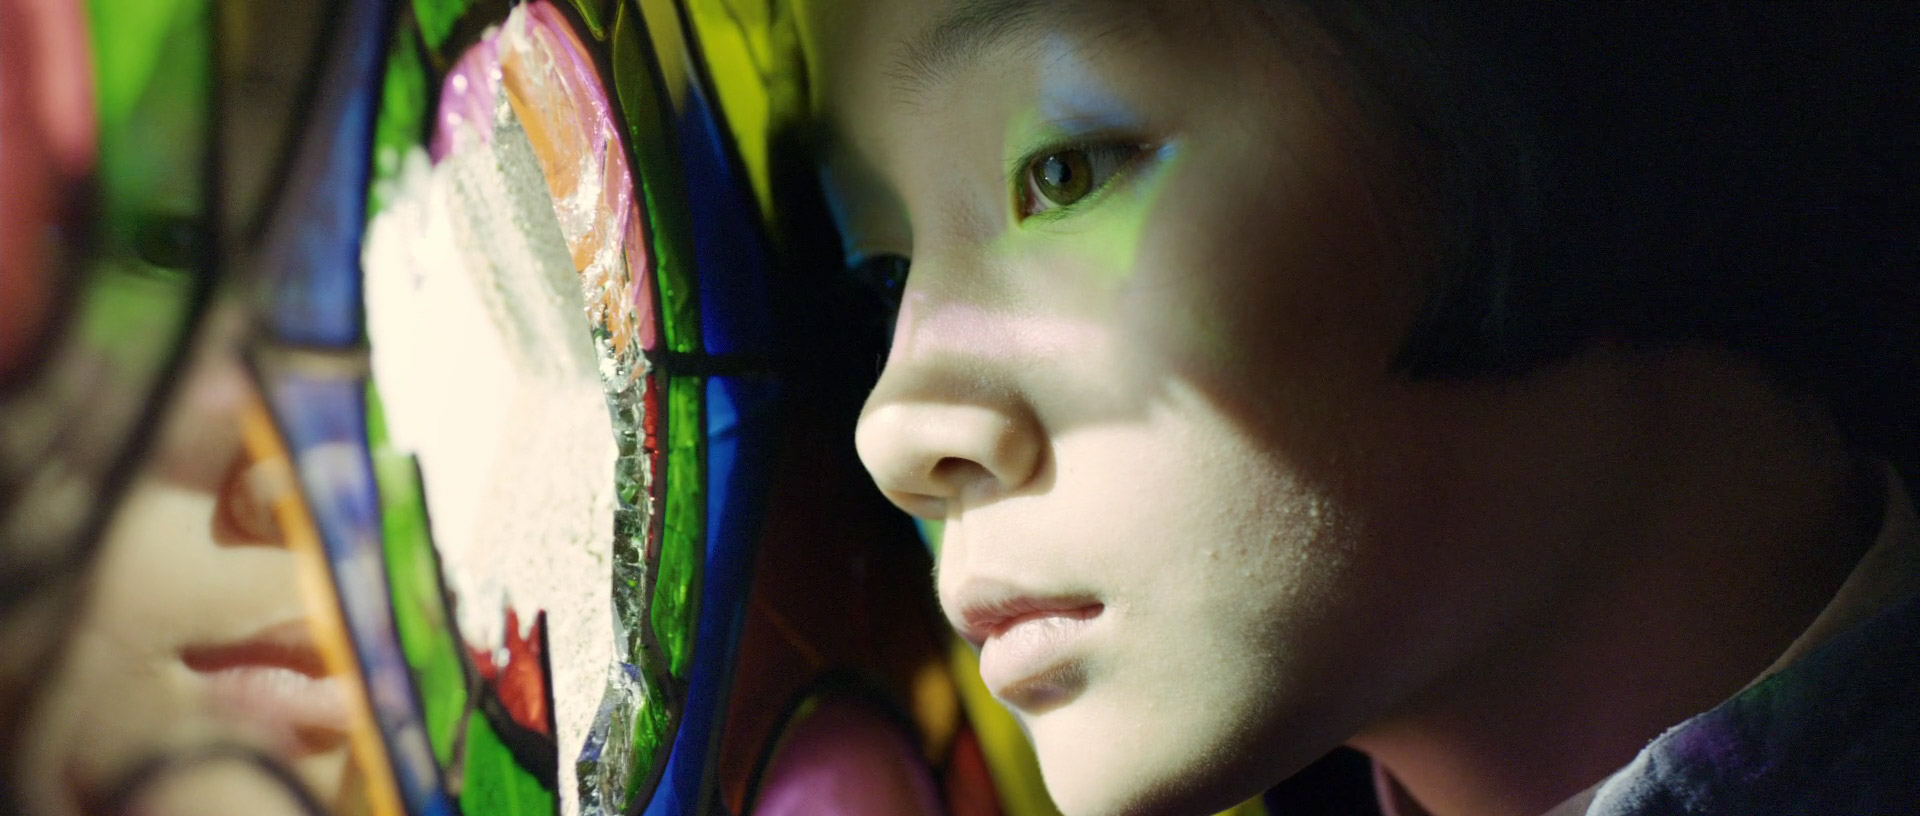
[1268,285]
[163,582]
[1190,520]
[200,437]
[1224,570]
[1339,516]
[1260,319]
[1460,517]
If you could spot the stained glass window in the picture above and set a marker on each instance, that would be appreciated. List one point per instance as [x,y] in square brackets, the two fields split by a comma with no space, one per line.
[516,334]
[491,366]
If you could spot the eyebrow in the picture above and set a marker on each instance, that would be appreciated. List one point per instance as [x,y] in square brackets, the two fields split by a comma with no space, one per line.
[967,31]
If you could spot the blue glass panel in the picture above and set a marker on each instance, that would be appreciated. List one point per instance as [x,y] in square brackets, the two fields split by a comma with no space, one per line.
[323,418]
[741,412]
[734,313]
[312,250]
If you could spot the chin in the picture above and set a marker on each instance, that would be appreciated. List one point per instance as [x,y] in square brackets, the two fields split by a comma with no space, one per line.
[1117,794]
[1129,766]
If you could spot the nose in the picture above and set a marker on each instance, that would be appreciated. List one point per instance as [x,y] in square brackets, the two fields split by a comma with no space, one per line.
[200,446]
[946,423]
[243,508]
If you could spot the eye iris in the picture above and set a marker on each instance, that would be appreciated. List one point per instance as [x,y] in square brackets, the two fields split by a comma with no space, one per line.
[1063,178]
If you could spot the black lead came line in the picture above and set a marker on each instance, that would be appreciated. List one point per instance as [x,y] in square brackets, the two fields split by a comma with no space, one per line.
[681,363]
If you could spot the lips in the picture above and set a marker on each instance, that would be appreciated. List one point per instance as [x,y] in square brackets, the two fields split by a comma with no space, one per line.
[1026,642]
[275,682]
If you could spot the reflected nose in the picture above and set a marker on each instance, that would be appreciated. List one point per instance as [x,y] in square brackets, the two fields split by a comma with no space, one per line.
[243,508]
[201,448]
[945,424]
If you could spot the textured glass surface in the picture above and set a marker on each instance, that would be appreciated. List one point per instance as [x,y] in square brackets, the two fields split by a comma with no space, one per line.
[740,418]
[684,540]
[419,601]
[477,767]
[620,753]
[610,767]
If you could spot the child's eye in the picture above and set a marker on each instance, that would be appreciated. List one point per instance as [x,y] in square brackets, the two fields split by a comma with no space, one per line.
[1061,178]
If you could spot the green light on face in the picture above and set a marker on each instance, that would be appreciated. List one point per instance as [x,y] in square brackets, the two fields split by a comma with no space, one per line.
[1102,232]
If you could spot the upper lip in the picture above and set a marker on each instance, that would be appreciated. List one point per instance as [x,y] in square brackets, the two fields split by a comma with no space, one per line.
[988,608]
[286,645]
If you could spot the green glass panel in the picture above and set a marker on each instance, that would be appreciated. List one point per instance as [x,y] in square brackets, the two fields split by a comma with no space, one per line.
[133,300]
[637,84]
[437,19]
[413,574]
[650,737]
[153,122]
[492,780]
[685,528]
[595,13]
[403,118]
[129,36]
[495,784]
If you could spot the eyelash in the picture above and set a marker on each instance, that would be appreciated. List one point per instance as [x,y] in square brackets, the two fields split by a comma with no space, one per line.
[1120,158]
[886,274]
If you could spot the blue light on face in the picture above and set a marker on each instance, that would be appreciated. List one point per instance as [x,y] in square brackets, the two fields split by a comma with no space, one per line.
[1074,97]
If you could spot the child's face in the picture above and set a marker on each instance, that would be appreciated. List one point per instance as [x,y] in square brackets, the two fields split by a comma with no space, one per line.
[193,632]
[1204,530]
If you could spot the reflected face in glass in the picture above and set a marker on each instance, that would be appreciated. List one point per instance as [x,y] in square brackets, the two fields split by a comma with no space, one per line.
[193,632]
[1155,280]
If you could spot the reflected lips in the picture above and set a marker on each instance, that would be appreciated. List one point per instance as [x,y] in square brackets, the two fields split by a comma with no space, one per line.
[1022,642]
[275,680]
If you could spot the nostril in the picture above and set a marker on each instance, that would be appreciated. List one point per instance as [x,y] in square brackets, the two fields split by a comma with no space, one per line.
[958,472]
[243,509]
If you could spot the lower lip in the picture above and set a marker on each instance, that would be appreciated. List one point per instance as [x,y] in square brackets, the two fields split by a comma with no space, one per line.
[1029,665]
[299,715]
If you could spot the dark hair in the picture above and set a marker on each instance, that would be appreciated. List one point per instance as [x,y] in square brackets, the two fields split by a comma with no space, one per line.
[1743,175]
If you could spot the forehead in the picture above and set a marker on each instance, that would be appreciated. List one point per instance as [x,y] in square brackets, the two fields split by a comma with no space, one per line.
[872,58]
